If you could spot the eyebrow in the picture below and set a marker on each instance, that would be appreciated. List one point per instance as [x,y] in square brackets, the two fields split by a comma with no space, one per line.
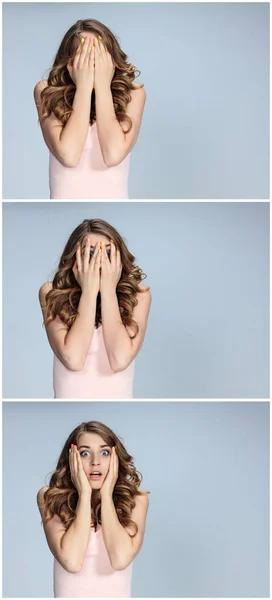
[103,446]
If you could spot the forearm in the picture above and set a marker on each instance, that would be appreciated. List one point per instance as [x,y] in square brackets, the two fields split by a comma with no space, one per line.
[79,336]
[111,136]
[75,541]
[74,133]
[117,541]
[117,341]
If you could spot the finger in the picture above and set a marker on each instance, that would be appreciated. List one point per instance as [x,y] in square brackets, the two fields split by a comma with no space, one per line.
[91,56]
[90,53]
[95,261]
[85,48]
[118,259]
[86,257]
[103,254]
[116,463]
[71,463]
[113,252]
[78,258]
[78,52]
[104,248]
[97,45]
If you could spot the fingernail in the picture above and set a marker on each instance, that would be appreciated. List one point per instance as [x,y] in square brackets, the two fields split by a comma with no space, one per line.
[100,37]
[69,450]
[99,250]
[82,40]
[103,243]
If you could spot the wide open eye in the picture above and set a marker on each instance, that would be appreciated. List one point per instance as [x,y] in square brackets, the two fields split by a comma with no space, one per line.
[84,453]
[105,452]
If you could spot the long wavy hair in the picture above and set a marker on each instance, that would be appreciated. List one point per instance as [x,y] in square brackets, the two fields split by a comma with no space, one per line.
[58,96]
[61,497]
[63,299]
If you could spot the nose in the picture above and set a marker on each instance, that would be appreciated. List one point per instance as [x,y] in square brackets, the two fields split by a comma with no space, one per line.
[95,460]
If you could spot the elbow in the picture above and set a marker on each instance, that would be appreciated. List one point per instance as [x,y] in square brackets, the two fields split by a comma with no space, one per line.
[119,365]
[73,364]
[69,162]
[74,568]
[119,564]
[71,566]
[112,160]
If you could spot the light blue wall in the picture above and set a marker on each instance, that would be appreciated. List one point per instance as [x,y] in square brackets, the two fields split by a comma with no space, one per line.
[206,466]
[205,66]
[208,269]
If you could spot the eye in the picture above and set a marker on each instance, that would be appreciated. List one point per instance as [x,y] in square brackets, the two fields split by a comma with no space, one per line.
[84,453]
[105,453]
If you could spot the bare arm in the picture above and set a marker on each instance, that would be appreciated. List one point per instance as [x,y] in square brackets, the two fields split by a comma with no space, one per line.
[121,349]
[71,345]
[69,546]
[67,142]
[115,143]
[122,548]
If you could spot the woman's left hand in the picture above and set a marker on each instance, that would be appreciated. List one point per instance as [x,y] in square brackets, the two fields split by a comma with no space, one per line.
[112,475]
[103,65]
[111,269]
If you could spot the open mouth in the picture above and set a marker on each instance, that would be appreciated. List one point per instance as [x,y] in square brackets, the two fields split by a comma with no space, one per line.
[95,475]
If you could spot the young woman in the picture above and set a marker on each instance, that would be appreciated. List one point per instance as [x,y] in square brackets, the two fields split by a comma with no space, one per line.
[93,515]
[95,313]
[90,113]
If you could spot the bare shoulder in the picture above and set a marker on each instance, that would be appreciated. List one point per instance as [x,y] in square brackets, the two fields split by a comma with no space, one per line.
[44,289]
[142,500]
[139,94]
[40,498]
[144,295]
[39,87]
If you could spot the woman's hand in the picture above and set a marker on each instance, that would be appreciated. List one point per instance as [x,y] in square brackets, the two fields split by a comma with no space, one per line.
[111,269]
[86,271]
[78,475]
[82,69]
[112,475]
[104,67]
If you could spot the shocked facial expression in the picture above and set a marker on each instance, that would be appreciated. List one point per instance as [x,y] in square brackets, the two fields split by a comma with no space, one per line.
[95,455]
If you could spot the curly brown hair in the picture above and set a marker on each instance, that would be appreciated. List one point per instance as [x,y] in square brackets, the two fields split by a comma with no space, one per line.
[58,96]
[63,299]
[61,497]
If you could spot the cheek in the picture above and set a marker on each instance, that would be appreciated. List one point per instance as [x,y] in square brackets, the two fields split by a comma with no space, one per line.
[85,467]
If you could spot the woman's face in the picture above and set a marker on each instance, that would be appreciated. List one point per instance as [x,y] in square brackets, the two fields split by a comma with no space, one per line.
[94,238]
[85,34]
[95,455]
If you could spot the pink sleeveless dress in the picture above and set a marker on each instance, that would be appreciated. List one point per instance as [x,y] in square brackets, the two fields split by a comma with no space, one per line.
[97,579]
[91,179]
[96,379]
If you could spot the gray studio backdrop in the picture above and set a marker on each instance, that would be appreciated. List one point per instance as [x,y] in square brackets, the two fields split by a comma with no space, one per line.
[206,466]
[208,270]
[205,66]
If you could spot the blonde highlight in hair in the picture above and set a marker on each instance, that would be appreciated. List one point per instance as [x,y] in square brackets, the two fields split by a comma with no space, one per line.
[61,497]
[58,96]
[63,299]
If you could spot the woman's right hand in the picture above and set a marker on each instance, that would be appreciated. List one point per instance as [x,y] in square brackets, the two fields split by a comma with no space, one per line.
[78,475]
[86,271]
[82,71]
